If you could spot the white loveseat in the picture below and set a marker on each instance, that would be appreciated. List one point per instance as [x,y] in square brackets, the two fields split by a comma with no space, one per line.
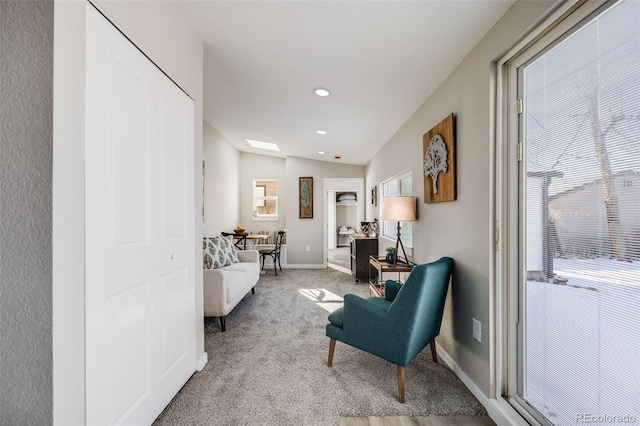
[225,287]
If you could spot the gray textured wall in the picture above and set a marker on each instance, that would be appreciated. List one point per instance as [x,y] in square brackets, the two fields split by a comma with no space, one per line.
[26,81]
[461,228]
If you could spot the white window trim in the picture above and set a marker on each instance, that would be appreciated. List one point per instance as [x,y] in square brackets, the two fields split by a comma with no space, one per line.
[265,217]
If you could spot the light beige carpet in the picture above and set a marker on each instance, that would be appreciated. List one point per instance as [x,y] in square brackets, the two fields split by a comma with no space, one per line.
[270,367]
[417,421]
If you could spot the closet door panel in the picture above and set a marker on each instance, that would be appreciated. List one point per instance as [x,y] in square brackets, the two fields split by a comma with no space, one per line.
[119,307]
[140,248]
[128,314]
[173,167]
[173,321]
[127,152]
[174,212]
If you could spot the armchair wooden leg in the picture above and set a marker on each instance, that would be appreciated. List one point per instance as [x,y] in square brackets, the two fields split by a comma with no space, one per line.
[332,347]
[434,355]
[401,384]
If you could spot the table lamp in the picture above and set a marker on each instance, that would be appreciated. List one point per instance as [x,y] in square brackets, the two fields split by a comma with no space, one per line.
[400,208]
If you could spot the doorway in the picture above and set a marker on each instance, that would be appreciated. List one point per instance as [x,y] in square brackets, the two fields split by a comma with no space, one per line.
[344,201]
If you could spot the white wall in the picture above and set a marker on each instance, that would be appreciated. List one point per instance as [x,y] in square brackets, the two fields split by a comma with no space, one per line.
[26,128]
[164,33]
[461,229]
[221,184]
[254,166]
[347,215]
[310,232]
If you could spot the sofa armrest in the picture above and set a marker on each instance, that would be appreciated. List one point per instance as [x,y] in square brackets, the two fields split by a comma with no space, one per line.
[215,292]
[248,256]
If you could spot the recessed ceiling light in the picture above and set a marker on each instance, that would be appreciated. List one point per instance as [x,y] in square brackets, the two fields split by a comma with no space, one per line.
[321,91]
[263,145]
[321,152]
[321,132]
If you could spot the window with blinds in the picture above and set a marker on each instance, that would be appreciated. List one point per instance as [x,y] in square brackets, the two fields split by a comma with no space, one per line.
[580,208]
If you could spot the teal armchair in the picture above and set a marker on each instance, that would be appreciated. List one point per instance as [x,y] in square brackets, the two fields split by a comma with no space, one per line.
[399,326]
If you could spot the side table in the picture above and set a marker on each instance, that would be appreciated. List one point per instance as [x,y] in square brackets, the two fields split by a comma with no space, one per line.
[380,264]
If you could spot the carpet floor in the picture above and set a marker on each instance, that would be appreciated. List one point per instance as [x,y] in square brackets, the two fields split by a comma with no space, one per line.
[269,367]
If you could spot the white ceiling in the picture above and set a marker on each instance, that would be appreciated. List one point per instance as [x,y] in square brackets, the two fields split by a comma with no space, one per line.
[380,60]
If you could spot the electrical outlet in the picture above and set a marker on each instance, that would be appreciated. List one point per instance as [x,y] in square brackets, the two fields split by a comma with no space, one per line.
[477,330]
[307,249]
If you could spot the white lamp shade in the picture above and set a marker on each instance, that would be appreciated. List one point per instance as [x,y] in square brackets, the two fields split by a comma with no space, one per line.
[400,208]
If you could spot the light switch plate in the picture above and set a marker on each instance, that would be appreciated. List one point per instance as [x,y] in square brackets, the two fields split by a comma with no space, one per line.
[477,330]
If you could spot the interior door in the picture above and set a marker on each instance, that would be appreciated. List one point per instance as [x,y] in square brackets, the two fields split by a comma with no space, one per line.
[331,220]
[139,295]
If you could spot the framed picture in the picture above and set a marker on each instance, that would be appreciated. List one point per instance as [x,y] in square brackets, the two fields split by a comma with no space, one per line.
[374,196]
[306,197]
[439,162]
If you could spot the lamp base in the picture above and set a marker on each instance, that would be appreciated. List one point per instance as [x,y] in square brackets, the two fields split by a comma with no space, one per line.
[397,253]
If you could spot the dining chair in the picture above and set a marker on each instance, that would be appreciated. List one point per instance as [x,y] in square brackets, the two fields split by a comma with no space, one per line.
[274,252]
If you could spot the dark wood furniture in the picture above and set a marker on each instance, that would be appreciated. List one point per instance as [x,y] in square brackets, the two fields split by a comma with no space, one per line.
[361,248]
[239,237]
[378,266]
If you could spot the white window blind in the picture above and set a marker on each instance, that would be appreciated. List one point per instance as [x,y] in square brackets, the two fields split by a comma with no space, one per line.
[581,211]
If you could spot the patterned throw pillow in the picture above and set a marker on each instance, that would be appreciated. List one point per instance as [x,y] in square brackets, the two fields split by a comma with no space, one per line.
[232,253]
[218,252]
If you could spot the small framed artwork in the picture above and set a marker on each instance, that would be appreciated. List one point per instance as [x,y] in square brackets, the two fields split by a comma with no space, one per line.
[306,197]
[374,196]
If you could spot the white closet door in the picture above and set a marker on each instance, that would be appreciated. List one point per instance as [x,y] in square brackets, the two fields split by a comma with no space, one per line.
[140,307]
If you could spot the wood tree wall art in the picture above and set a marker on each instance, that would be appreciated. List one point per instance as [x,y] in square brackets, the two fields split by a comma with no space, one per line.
[439,162]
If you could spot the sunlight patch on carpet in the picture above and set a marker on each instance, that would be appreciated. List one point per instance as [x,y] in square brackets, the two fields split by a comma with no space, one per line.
[324,298]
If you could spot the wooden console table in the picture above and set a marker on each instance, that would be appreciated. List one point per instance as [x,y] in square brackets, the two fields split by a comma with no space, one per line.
[380,264]
[361,247]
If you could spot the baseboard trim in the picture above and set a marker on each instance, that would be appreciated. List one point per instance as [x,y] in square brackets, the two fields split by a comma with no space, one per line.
[499,411]
[202,361]
[303,266]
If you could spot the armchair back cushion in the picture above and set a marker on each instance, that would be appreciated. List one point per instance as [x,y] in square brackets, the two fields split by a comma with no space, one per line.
[418,307]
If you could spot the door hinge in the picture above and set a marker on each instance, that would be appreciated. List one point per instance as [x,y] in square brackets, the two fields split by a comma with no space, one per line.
[520,106]
[519,152]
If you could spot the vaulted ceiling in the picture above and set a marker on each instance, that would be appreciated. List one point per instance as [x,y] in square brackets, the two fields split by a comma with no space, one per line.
[379,59]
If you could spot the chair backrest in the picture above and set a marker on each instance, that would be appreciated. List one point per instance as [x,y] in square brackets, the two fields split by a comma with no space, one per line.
[279,240]
[418,307]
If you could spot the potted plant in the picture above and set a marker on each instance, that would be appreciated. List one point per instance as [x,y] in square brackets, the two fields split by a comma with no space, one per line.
[391,255]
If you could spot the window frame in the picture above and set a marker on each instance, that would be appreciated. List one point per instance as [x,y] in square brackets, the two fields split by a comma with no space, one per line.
[255,216]
[506,187]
